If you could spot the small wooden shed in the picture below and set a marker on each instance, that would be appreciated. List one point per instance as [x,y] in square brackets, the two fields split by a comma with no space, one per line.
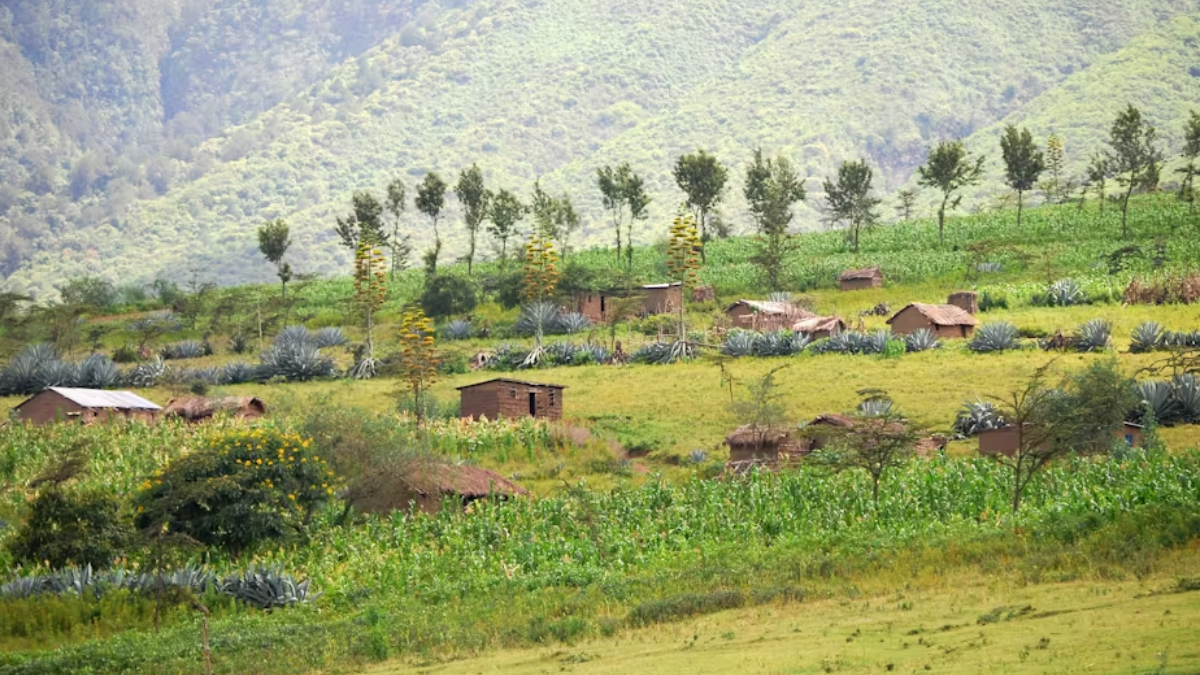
[819,327]
[662,298]
[968,301]
[858,279]
[431,485]
[765,315]
[200,408]
[67,404]
[504,397]
[1005,440]
[945,321]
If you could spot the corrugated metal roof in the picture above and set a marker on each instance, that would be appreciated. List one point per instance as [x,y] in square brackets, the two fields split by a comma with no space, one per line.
[655,287]
[512,381]
[98,398]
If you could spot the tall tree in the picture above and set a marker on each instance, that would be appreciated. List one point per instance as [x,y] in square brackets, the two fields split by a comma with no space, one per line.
[772,187]
[623,191]
[474,199]
[1133,158]
[1191,152]
[400,244]
[370,292]
[850,200]
[431,199]
[566,223]
[554,218]
[1023,163]
[702,178]
[949,169]
[364,224]
[877,440]
[274,240]
[1056,167]
[907,199]
[504,214]
[1098,174]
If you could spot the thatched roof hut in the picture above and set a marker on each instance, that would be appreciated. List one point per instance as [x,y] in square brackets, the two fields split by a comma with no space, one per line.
[200,408]
[749,444]
[857,279]
[944,321]
[765,315]
[819,327]
[427,485]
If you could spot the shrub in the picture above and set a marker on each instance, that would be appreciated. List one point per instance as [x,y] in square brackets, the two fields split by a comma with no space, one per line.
[72,528]
[508,357]
[683,606]
[659,324]
[237,373]
[447,295]
[92,292]
[239,343]
[1093,336]
[976,416]
[458,329]
[330,336]
[989,301]
[921,340]
[995,337]
[454,363]
[245,487]
[294,361]
[125,354]
[188,349]
[1032,332]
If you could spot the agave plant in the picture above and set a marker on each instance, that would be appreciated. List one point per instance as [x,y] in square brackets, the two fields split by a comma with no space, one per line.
[1158,397]
[1093,336]
[921,340]
[458,329]
[875,342]
[98,371]
[330,336]
[560,353]
[147,374]
[295,361]
[571,323]
[58,374]
[875,407]
[1185,389]
[779,343]
[538,318]
[1064,293]
[211,375]
[738,343]
[976,416]
[1181,339]
[1147,337]
[267,588]
[239,343]
[591,352]
[188,349]
[294,335]
[507,357]
[238,372]
[995,337]
[27,372]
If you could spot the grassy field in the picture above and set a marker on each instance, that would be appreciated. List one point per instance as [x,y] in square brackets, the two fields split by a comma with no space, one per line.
[960,624]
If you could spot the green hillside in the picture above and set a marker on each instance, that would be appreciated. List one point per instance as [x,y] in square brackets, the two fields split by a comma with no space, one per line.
[235,112]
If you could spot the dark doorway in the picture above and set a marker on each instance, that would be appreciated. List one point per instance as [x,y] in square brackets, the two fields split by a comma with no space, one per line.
[532,404]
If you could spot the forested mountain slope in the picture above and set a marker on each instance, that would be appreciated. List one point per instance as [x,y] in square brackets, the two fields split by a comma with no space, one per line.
[146,137]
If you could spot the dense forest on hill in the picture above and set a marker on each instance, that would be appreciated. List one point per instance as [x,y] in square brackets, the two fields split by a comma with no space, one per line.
[144,138]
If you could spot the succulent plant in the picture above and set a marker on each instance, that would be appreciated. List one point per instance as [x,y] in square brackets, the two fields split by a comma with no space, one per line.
[458,329]
[538,317]
[995,337]
[661,353]
[188,349]
[921,340]
[591,352]
[330,336]
[238,372]
[147,374]
[1064,293]
[294,361]
[30,371]
[1093,336]
[1147,337]
[976,416]
[571,323]
[559,354]
[293,336]
[97,371]
[738,343]
[1185,390]
[1159,398]
[875,407]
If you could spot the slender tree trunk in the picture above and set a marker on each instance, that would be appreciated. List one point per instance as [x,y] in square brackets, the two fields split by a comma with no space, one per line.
[471,254]
[617,224]
[1125,208]
[1020,204]
[875,491]
[942,218]
[370,343]
[629,246]
[703,235]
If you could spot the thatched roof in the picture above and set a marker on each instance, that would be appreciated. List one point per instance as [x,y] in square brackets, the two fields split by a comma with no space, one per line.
[464,481]
[770,307]
[199,407]
[940,315]
[863,273]
[820,324]
[748,435]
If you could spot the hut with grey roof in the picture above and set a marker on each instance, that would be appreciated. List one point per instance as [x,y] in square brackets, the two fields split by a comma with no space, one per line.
[67,404]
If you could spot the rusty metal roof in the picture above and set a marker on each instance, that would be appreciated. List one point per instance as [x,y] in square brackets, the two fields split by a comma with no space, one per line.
[512,381]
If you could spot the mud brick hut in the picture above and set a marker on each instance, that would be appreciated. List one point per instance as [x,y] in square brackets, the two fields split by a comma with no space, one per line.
[968,301]
[200,408]
[429,487]
[66,404]
[656,299]
[945,321]
[747,444]
[765,315]
[512,399]
[819,327]
[858,279]
[814,439]
[1005,440]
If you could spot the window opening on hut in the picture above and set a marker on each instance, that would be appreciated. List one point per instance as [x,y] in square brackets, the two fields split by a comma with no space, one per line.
[601,304]
[532,403]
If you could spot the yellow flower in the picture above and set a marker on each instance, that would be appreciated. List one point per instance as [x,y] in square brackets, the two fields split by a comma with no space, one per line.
[292,497]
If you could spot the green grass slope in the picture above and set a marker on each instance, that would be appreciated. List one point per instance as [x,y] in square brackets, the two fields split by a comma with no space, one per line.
[557,87]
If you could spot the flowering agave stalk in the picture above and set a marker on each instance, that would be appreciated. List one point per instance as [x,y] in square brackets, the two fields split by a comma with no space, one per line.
[370,292]
[418,355]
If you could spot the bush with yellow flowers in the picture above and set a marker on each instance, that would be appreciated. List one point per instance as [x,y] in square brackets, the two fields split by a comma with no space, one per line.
[243,488]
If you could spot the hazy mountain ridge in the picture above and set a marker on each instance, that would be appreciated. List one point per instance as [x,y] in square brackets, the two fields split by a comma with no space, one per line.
[555,88]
